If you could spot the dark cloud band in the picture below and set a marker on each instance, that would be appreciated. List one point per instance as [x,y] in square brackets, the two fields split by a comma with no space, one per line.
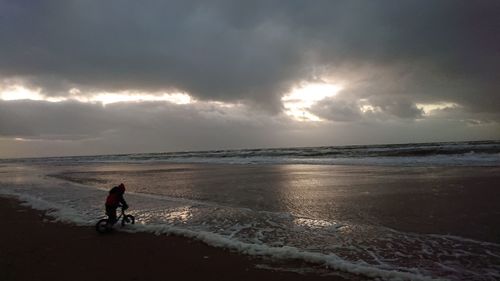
[226,50]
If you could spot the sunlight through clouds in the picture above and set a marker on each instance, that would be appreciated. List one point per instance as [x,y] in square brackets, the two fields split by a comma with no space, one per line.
[429,108]
[107,98]
[18,92]
[298,102]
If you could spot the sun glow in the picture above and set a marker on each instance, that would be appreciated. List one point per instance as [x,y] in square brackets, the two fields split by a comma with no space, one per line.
[430,108]
[108,98]
[17,92]
[298,102]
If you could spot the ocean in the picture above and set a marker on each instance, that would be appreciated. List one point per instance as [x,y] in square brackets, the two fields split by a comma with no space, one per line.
[473,153]
[394,212]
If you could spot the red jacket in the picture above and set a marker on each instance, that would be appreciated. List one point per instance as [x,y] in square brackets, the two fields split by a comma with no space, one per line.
[115,196]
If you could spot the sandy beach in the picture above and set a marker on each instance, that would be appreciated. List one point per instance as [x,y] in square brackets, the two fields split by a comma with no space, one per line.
[33,248]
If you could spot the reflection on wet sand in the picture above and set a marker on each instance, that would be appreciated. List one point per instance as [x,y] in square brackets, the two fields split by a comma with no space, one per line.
[424,200]
[342,216]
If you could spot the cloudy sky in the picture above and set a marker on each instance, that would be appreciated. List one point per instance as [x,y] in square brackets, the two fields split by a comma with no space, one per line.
[93,77]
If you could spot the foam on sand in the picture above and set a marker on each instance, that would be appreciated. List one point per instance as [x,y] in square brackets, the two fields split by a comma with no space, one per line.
[61,213]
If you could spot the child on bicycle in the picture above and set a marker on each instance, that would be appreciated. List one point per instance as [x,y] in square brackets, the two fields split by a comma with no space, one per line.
[113,201]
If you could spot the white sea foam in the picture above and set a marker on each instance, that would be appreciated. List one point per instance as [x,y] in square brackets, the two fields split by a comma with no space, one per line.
[58,212]
[285,252]
[61,213]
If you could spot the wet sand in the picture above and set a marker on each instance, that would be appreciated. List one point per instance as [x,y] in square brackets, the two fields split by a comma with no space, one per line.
[461,201]
[32,248]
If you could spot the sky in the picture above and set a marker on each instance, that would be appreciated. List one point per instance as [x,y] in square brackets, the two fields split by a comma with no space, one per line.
[105,77]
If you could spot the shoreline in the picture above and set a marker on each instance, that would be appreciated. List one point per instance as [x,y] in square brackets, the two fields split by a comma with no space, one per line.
[200,204]
[35,248]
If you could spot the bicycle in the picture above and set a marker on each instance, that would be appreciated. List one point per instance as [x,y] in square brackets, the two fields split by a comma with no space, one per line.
[104,226]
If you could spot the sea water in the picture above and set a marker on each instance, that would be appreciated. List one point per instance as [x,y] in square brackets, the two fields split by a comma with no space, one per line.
[396,212]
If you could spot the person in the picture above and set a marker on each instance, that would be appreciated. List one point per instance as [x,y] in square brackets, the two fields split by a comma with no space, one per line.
[113,201]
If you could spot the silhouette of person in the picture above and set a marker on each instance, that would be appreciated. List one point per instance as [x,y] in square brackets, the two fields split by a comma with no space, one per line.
[113,201]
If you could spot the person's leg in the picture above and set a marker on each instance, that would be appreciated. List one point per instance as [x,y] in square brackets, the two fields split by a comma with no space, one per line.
[111,212]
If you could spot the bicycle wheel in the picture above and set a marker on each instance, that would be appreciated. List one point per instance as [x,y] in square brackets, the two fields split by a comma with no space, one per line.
[102,226]
[128,219]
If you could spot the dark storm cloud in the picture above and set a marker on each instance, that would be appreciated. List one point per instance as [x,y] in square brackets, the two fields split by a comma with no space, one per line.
[417,51]
[399,108]
[344,109]
[336,109]
[69,120]
[185,125]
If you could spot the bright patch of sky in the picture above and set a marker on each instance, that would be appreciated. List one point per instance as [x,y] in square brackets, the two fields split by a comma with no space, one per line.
[18,92]
[428,108]
[298,102]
